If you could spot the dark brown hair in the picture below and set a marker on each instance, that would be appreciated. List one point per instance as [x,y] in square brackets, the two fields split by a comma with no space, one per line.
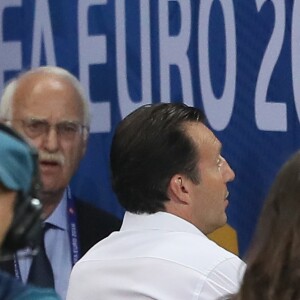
[148,148]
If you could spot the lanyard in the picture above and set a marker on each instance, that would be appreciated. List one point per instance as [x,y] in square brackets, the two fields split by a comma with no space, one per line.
[73,228]
[72,233]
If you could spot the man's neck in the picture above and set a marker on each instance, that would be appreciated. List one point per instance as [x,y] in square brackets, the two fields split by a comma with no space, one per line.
[50,201]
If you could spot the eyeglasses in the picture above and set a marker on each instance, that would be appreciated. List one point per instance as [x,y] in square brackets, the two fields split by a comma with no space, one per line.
[34,128]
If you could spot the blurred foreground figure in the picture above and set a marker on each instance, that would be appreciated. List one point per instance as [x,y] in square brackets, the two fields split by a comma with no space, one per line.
[273,259]
[20,222]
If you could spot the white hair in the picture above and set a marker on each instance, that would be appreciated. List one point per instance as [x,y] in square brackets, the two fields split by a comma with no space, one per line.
[10,89]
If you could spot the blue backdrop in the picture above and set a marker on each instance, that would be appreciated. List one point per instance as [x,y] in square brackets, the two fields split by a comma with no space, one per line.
[239,60]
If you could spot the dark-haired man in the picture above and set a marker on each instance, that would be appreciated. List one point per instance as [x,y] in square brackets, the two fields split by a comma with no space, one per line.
[169,174]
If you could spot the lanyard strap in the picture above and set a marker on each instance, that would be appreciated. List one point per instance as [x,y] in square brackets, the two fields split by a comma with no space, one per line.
[73,227]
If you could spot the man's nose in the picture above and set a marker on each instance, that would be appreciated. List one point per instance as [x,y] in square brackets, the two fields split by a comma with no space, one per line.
[51,141]
[229,174]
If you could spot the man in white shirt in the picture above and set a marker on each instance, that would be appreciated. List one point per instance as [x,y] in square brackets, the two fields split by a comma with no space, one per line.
[170,176]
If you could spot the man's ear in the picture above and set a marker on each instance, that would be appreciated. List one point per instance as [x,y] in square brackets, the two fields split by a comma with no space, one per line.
[178,189]
[85,141]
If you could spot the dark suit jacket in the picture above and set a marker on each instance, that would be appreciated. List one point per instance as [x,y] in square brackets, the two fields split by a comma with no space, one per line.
[93,224]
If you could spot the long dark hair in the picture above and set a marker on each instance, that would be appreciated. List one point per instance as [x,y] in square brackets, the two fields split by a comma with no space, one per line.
[273,270]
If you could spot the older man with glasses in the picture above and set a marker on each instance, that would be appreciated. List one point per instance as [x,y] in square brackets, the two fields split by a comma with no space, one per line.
[48,107]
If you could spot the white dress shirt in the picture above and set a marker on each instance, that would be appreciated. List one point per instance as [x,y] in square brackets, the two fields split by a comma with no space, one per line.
[157,256]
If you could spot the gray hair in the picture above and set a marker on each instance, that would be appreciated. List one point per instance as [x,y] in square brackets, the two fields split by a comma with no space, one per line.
[10,89]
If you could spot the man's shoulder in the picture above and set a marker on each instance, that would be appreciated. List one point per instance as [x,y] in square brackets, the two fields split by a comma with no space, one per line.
[211,249]
[216,260]
[195,251]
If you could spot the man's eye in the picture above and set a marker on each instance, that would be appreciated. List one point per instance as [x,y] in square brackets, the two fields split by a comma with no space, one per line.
[220,161]
[69,128]
[35,125]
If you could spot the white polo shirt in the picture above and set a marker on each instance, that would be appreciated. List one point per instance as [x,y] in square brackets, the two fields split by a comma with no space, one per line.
[156,256]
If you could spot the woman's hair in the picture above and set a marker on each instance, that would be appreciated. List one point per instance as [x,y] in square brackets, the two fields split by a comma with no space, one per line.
[273,260]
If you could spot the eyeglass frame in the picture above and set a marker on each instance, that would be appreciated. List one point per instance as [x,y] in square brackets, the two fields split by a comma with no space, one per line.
[26,123]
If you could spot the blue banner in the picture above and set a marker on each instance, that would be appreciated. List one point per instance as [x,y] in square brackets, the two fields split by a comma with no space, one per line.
[238,60]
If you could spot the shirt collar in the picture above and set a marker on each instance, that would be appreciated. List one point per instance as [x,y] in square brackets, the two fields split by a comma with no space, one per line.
[59,216]
[158,221]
